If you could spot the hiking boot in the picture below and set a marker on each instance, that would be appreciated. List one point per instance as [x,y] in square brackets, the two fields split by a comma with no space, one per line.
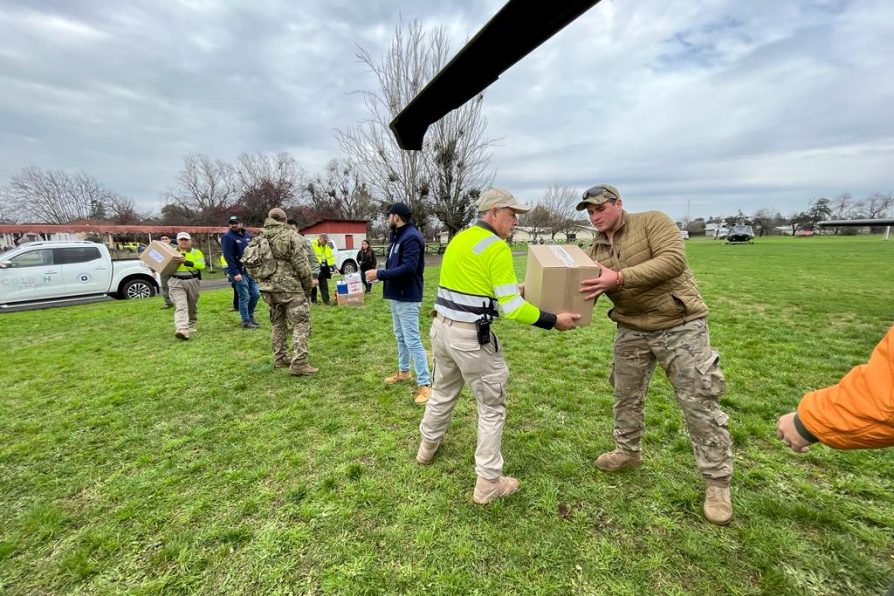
[399,376]
[303,369]
[181,334]
[422,393]
[255,322]
[718,506]
[426,452]
[617,460]
[281,364]
[167,305]
[250,325]
[491,490]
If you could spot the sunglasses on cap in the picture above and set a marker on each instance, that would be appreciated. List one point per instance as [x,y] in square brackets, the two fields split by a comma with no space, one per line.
[598,191]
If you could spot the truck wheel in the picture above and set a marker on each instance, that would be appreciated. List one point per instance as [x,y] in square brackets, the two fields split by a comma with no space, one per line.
[137,289]
[348,267]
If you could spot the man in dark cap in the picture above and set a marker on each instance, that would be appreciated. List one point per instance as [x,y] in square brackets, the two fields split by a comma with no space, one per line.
[661,318]
[233,244]
[402,279]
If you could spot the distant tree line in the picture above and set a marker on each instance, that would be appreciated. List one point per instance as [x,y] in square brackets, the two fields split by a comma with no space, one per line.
[767,222]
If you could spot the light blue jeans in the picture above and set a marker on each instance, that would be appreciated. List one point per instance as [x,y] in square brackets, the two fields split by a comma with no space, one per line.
[248,296]
[405,316]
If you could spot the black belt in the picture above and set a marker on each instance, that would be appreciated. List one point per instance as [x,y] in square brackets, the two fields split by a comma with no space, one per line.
[193,276]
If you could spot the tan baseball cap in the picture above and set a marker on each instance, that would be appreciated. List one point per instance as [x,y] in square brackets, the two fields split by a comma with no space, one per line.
[597,195]
[277,214]
[499,198]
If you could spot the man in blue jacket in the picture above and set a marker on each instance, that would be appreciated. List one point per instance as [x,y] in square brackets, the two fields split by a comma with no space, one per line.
[233,244]
[402,278]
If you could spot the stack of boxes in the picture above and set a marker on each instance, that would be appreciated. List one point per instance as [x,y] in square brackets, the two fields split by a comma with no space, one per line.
[350,291]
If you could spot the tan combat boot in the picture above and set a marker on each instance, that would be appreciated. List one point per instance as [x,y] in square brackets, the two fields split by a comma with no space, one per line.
[421,394]
[303,369]
[718,505]
[281,364]
[617,460]
[399,376]
[491,490]
[182,334]
[426,452]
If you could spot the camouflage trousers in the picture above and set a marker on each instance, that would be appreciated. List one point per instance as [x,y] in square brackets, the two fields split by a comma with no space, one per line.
[693,370]
[289,309]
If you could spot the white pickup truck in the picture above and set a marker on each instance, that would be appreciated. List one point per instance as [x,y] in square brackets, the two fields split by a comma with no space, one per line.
[59,270]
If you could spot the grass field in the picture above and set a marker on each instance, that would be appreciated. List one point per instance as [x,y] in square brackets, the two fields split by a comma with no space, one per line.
[130,462]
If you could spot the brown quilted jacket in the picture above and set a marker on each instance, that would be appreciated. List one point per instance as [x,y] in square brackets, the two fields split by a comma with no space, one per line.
[659,289]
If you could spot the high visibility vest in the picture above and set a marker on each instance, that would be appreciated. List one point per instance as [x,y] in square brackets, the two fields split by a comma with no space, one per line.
[478,277]
[324,254]
[197,258]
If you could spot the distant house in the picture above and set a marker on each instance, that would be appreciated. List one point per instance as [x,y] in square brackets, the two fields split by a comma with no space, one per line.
[345,233]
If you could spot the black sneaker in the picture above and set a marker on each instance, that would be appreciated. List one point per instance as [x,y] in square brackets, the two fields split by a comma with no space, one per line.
[250,325]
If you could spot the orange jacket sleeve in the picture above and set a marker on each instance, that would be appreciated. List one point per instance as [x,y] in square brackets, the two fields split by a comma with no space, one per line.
[858,412]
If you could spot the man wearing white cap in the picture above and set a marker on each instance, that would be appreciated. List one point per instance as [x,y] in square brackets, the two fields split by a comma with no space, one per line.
[184,286]
[477,278]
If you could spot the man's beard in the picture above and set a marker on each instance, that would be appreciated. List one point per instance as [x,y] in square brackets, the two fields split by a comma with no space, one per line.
[393,226]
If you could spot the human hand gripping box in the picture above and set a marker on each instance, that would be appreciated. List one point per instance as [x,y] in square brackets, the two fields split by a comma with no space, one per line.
[553,278]
[159,256]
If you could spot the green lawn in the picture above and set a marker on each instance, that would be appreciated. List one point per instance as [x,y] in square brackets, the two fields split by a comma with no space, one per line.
[130,462]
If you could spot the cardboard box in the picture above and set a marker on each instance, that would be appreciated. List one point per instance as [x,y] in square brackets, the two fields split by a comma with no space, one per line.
[355,299]
[553,277]
[159,256]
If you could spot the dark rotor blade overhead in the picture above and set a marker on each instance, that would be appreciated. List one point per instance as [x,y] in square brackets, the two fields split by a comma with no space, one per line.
[519,27]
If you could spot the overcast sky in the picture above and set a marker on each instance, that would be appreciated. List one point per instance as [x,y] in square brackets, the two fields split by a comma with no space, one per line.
[698,106]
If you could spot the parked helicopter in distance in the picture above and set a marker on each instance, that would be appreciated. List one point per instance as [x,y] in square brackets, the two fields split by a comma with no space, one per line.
[740,234]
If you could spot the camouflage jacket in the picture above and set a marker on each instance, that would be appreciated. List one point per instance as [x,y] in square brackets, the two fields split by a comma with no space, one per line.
[293,274]
[659,290]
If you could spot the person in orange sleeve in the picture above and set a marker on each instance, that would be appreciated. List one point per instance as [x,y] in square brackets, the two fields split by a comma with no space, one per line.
[856,413]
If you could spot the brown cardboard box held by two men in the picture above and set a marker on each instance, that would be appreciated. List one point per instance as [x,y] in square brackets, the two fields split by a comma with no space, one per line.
[553,277]
[159,256]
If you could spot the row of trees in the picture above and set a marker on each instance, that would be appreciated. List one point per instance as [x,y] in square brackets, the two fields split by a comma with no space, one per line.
[842,207]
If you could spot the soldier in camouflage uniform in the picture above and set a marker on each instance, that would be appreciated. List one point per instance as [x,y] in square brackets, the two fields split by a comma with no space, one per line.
[661,318]
[286,293]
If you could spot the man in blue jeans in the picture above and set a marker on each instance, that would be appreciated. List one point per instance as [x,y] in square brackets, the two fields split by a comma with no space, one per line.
[402,279]
[233,244]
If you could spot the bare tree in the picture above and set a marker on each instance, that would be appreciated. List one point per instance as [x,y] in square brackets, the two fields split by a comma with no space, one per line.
[762,219]
[204,189]
[265,182]
[877,205]
[444,177]
[122,211]
[55,196]
[560,201]
[537,221]
[341,192]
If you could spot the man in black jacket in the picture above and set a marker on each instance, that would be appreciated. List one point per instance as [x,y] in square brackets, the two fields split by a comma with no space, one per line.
[403,279]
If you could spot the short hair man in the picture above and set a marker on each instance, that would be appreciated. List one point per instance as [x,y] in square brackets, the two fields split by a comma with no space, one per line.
[184,286]
[403,278]
[661,317]
[165,290]
[233,244]
[286,293]
[477,277]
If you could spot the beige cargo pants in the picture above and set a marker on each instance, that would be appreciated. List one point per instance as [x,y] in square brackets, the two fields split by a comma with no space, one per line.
[693,368]
[185,296]
[460,360]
